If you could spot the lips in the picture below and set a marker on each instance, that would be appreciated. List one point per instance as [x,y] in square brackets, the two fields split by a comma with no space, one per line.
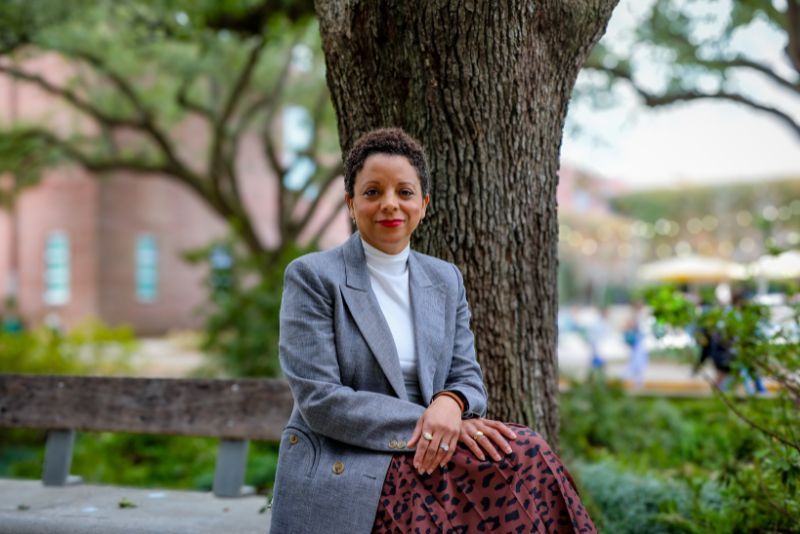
[391,223]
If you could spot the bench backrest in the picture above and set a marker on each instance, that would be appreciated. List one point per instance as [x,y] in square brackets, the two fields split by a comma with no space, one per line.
[234,409]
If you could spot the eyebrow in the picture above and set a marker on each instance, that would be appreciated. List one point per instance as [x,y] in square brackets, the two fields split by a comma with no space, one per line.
[375,182]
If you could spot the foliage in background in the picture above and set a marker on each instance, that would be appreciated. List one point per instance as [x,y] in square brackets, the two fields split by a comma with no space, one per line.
[137,76]
[176,462]
[201,93]
[760,345]
[671,465]
[729,199]
[88,349]
[687,50]
[170,462]
[241,333]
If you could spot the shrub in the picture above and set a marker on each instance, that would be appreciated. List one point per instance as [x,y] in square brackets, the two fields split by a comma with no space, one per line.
[635,503]
[91,348]
[242,315]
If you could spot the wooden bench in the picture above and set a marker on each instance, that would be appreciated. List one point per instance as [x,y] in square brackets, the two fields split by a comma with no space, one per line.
[235,411]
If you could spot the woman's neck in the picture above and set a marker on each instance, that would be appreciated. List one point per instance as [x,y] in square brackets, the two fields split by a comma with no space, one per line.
[389,263]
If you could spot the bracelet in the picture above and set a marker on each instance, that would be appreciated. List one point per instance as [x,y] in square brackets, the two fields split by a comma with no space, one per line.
[453,396]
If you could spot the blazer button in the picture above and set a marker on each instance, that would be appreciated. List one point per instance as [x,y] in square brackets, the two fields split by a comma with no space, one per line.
[393,444]
[401,444]
[292,439]
[338,468]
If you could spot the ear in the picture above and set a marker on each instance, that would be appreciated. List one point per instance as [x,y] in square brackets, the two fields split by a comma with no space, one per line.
[349,201]
[425,201]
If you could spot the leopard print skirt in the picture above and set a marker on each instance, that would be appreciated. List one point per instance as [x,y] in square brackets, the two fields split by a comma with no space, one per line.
[528,490]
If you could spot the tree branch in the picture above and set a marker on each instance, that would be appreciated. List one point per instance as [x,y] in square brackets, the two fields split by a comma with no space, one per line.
[229,107]
[654,100]
[251,21]
[750,422]
[76,101]
[182,98]
[147,123]
[144,122]
[335,212]
[793,32]
[269,99]
[119,82]
[100,165]
[758,67]
[272,154]
[316,121]
[333,174]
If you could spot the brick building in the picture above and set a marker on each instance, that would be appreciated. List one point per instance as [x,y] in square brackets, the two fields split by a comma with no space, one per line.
[111,248]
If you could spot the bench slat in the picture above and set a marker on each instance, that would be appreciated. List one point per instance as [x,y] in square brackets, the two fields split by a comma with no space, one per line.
[255,409]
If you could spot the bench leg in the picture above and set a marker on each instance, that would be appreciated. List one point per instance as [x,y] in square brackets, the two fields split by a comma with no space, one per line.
[230,469]
[58,458]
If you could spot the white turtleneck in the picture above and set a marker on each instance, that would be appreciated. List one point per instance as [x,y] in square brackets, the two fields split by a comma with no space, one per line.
[388,275]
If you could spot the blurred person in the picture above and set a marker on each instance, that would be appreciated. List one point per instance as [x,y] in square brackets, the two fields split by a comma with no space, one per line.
[753,384]
[709,333]
[596,333]
[635,334]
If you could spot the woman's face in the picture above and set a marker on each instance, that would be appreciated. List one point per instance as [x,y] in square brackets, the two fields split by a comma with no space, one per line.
[388,203]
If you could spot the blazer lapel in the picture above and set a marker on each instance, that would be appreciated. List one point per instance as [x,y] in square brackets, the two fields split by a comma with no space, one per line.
[368,316]
[427,310]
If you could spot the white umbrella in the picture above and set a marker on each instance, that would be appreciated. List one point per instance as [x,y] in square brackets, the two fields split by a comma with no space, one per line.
[784,266]
[692,269]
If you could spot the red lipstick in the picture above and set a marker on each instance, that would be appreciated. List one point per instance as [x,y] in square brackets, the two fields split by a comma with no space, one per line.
[391,223]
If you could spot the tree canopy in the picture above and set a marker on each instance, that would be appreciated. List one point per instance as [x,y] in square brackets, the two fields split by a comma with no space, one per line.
[138,70]
[683,50]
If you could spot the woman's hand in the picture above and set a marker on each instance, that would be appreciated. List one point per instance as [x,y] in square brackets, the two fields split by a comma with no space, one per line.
[441,421]
[486,435]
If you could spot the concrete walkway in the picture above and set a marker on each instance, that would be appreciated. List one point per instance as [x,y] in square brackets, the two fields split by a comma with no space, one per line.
[28,507]
[661,378]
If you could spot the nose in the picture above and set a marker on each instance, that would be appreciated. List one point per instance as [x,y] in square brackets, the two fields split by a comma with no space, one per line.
[389,203]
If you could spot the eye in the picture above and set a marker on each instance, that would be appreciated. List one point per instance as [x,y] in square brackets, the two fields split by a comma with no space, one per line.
[408,193]
[371,192]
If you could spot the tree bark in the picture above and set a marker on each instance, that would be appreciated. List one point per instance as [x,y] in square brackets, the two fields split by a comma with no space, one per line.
[484,85]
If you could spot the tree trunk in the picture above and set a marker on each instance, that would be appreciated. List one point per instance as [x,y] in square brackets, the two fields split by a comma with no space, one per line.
[484,85]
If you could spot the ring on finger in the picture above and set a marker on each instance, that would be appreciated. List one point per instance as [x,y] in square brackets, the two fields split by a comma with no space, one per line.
[477,435]
[444,446]
[427,435]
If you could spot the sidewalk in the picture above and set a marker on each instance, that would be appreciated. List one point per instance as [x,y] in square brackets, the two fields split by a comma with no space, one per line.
[661,378]
[28,507]
[166,358]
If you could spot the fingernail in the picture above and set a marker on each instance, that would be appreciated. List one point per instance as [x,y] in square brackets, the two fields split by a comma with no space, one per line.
[513,436]
[508,450]
[482,458]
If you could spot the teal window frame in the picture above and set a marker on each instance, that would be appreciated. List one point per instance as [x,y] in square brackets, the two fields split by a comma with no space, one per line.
[147,265]
[57,273]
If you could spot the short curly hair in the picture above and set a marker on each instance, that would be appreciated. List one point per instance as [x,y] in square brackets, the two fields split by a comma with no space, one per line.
[391,141]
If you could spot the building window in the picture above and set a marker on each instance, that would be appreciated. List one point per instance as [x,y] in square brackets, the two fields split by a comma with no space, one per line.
[146,268]
[298,132]
[56,269]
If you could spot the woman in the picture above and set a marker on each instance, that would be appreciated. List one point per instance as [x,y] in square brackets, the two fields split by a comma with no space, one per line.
[387,433]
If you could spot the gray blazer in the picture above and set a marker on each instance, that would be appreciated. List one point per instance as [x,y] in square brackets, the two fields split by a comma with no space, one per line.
[351,410]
